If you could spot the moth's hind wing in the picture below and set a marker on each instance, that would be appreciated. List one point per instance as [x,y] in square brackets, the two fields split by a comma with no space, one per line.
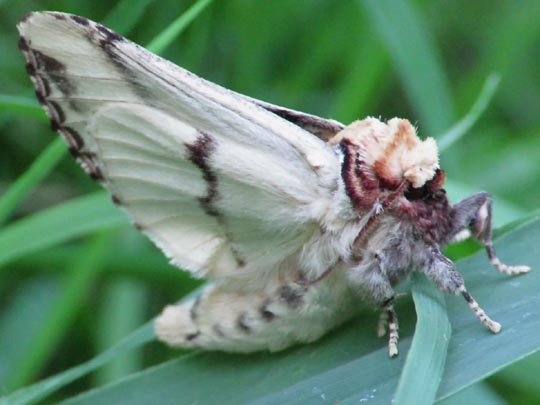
[225,187]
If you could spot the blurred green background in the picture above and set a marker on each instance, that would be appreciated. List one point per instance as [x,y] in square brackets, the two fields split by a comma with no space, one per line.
[65,303]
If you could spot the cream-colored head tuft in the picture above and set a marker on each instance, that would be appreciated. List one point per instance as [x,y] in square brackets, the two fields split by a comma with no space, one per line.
[420,164]
[392,150]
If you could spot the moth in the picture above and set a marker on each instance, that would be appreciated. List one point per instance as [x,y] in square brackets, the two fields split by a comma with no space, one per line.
[294,219]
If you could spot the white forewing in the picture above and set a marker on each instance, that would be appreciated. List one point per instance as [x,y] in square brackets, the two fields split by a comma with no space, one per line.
[224,186]
[146,163]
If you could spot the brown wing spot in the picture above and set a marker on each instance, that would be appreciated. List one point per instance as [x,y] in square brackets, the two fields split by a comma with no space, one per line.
[53,69]
[74,140]
[59,16]
[40,97]
[89,163]
[96,175]
[23,45]
[30,69]
[48,63]
[110,35]
[199,155]
[22,20]
[56,114]
[40,83]
[320,127]
[80,20]
[42,69]
[43,85]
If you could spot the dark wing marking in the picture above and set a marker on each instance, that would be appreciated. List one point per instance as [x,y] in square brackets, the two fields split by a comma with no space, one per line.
[322,128]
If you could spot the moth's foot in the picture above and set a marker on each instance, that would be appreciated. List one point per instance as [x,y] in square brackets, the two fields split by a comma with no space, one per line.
[393,336]
[392,348]
[493,326]
[388,319]
[510,270]
[501,267]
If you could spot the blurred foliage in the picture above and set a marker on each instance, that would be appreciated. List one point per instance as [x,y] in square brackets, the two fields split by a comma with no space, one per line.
[328,58]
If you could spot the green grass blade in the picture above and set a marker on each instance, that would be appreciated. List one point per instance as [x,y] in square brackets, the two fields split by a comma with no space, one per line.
[479,393]
[79,281]
[40,390]
[63,222]
[459,129]
[512,301]
[38,170]
[359,88]
[521,377]
[426,359]
[122,311]
[416,61]
[22,106]
[22,318]
[160,42]
[515,27]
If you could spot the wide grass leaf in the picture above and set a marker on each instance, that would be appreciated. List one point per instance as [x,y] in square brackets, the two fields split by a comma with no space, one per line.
[78,282]
[351,364]
[23,316]
[61,223]
[423,370]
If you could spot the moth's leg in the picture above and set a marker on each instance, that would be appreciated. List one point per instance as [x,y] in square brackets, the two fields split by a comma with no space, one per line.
[473,214]
[444,274]
[388,318]
[382,324]
[377,289]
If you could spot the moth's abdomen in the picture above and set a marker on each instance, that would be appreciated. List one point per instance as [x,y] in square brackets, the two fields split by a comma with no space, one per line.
[246,322]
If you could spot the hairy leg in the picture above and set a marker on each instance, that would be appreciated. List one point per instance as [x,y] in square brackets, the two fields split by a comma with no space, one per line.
[377,289]
[388,319]
[444,274]
[474,215]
